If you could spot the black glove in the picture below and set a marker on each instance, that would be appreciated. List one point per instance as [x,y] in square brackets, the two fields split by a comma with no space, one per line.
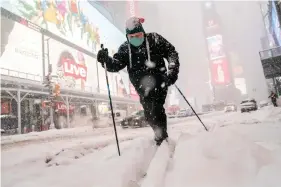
[170,79]
[102,56]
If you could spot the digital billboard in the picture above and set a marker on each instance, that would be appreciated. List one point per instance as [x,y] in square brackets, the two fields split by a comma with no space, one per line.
[76,21]
[22,54]
[215,47]
[220,72]
[71,68]
[218,60]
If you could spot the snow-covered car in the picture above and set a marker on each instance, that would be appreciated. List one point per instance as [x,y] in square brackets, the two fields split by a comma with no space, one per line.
[230,108]
[169,115]
[184,113]
[264,103]
[248,105]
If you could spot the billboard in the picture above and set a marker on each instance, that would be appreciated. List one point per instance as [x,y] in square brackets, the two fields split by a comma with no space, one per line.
[75,20]
[215,47]
[218,57]
[220,71]
[117,12]
[22,52]
[71,68]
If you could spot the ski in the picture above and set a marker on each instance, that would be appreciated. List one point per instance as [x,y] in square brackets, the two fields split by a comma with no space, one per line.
[159,164]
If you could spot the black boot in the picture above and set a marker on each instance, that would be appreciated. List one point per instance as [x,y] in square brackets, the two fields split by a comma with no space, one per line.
[160,135]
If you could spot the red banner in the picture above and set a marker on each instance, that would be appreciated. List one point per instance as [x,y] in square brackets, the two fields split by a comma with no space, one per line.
[220,71]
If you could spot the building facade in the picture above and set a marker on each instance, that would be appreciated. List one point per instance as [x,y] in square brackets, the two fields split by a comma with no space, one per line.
[271,54]
[61,38]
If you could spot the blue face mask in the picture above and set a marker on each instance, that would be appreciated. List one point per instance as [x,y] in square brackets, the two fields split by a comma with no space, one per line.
[136,41]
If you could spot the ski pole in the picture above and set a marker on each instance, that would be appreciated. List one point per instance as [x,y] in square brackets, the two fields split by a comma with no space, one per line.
[191,107]
[110,102]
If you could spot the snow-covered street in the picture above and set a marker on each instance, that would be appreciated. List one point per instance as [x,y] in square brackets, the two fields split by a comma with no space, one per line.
[240,150]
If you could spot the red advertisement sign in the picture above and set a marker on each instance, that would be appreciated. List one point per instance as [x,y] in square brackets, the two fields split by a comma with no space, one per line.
[61,107]
[220,71]
[133,92]
[73,69]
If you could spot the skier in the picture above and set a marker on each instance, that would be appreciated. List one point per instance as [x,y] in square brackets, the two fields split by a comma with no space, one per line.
[273,97]
[143,54]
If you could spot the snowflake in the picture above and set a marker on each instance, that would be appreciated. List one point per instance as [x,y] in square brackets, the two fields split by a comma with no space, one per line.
[162,69]
[150,64]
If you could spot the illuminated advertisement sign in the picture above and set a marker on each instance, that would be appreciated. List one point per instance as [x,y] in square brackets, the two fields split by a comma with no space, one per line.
[74,20]
[215,47]
[71,68]
[220,71]
[21,54]
[219,64]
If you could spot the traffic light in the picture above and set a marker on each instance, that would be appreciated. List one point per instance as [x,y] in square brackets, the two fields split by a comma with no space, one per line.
[47,81]
[56,92]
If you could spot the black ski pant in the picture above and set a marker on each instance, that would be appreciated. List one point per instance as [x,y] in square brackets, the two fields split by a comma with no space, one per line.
[154,110]
[274,102]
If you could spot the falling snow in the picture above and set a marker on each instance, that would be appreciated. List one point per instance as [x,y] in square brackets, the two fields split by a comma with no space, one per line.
[150,64]
[162,69]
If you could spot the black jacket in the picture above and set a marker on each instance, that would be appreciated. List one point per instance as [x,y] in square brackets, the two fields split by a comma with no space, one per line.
[273,96]
[139,68]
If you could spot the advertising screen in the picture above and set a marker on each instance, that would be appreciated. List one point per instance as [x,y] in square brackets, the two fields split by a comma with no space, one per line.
[117,12]
[75,20]
[220,71]
[20,50]
[215,47]
[71,68]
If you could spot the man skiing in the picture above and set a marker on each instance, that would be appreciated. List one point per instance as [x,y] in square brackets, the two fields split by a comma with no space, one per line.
[273,96]
[143,54]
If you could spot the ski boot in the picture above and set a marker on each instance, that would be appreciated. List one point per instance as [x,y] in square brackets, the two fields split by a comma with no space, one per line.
[160,135]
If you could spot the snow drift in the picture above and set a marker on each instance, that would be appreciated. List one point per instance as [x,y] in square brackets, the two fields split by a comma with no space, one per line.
[223,158]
